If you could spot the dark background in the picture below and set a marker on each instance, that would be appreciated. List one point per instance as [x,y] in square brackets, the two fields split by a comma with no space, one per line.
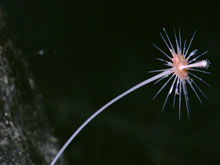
[93,51]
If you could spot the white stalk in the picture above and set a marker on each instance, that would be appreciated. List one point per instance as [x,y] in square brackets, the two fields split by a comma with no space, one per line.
[164,73]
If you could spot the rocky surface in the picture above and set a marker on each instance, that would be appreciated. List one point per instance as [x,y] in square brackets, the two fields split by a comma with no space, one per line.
[25,137]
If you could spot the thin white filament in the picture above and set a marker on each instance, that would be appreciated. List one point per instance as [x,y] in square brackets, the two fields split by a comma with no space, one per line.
[177,44]
[184,47]
[180,93]
[176,92]
[180,41]
[197,77]
[104,107]
[190,84]
[160,59]
[202,71]
[194,59]
[192,54]
[186,98]
[169,39]
[166,43]
[190,43]
[200,90]
[163,86]
[168,94]
[161,50]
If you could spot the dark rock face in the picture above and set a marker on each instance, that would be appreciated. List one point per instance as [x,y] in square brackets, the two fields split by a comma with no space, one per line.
[25,136]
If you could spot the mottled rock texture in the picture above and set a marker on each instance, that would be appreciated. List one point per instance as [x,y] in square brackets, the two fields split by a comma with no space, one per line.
[25,137]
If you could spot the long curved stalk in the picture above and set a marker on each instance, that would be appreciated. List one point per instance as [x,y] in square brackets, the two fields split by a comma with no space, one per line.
[164,73]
